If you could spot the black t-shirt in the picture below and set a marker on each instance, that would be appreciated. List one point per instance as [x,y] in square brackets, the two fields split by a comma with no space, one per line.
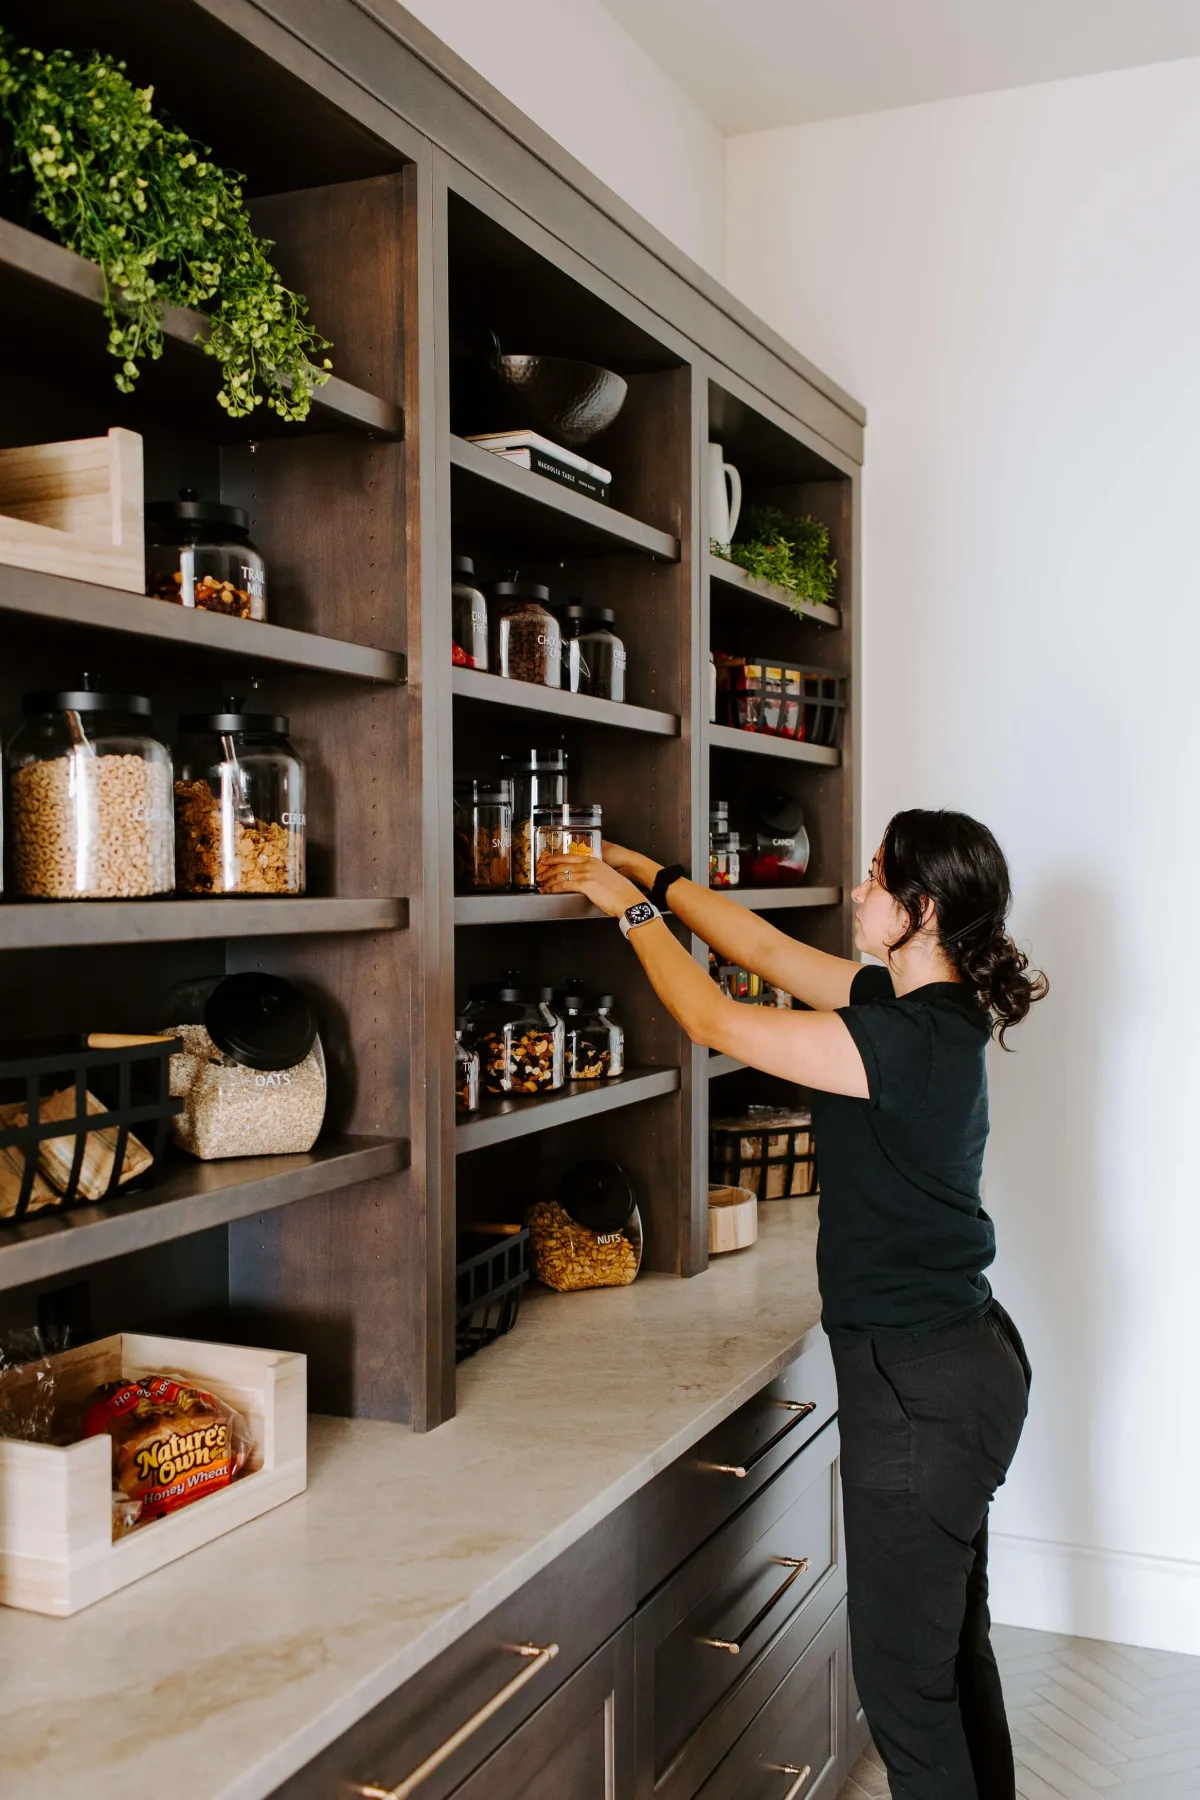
[904,1240]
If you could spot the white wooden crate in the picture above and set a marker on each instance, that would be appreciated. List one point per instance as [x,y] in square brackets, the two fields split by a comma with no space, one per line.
[56,1548]
[75,508]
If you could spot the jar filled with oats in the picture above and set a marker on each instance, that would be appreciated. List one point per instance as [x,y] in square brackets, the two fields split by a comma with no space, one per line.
[90,793]
[239,804]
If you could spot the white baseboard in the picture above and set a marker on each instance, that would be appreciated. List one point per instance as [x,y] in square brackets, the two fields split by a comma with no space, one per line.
[1120,1598]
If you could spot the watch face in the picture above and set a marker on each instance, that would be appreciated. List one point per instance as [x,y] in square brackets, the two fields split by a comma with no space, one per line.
[641,914]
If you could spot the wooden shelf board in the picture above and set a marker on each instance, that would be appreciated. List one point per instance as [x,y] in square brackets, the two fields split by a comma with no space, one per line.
[500,1120]
[192,1196]
[778,898]
[26,256]
[723,1065]
[30,594]
[579,517]
[528,696]
[522,909]
[753,587]
[63,924]
[757,743]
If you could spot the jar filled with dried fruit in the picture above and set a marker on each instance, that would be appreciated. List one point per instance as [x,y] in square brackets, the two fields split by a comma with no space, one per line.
[528,639]
[90,792]
[239,804]
[517,1035]
[199,553]
[466,1078]
[591,1236]
[536,779]
[482,837]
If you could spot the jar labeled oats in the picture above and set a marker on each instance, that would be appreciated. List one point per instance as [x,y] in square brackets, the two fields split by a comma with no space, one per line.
[90,792]
[239,804]
[591,1236]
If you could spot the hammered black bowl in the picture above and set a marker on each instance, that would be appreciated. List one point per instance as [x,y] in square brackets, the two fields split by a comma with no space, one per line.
[571,402]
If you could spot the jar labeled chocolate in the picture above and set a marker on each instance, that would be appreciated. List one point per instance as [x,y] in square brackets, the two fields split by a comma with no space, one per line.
[527,636]
[591,1236]
[482,837]
[466,1078]
[90,793]
[567,831]
[537,779]
[199,553]
[517,1035]
[240,821]
[469,617]
[593,655]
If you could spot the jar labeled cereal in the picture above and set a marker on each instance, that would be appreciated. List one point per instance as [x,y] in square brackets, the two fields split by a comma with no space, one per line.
[240,820]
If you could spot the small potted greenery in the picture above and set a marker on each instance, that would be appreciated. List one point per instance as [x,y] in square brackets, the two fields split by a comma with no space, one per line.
[794,554]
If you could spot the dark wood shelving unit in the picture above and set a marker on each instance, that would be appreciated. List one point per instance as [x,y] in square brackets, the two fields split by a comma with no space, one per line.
[526,696]
[522,909]
[526,506]
[782,899]
[757,743]
[752,587]
[720,1064]
[68,924]
[500,1121]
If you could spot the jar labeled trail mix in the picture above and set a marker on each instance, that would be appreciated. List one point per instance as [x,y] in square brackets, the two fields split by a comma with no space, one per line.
[482,838]
[591,1236]
[466,1078]
[239,804]
[518,1037]
[199,553]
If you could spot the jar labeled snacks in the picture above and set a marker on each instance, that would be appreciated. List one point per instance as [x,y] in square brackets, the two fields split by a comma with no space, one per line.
[90,791]
[518,1037]
[591,1236]
[240,820]
[199,553]
[482,838]
[252,1075]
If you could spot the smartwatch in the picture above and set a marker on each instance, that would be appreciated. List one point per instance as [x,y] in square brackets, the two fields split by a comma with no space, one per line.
[641,914]
[663,880]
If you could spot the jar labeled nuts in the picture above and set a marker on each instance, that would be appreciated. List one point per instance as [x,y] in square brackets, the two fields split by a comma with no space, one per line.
[568,1256]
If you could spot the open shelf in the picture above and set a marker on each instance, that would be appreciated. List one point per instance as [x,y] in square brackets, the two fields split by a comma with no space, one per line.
[528,696]
[720,1064]
[777,898]
[193,1196]
[513,504]
[65,924]
[498,1121]
[752,587]
[757,743]
[30,594]
[522,909]
[51,272]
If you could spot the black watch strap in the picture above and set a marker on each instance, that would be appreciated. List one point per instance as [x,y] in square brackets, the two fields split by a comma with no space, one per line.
[663,880]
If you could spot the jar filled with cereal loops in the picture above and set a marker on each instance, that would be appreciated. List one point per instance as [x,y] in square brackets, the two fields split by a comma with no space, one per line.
[90,798]
[591,1236]
[239,804]
[517,1034]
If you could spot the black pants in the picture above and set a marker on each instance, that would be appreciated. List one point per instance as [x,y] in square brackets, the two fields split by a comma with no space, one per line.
[929,1425]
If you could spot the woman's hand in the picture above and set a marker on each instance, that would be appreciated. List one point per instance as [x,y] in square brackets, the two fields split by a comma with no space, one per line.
[630,862]
[605,887]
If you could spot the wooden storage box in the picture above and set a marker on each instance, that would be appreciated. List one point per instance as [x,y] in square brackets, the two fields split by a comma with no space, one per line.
[732,1219]
[56,1548]
[75,509]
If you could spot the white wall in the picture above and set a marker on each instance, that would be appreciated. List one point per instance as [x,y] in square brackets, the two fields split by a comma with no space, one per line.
[1011,284]
[582,78]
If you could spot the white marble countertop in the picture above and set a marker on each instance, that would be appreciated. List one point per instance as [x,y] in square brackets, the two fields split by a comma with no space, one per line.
[219,1676]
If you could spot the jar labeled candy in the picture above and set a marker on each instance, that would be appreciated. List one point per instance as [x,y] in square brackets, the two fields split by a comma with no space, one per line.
[518,1037]
[591,1236]
[528,639]
[199,553]
[469,617]
[780,847]
[90,791]
[240,822]
[482,838]
[536,779]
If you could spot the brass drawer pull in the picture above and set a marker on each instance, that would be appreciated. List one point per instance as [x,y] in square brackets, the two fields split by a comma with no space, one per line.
[797,1565]
[801,1775]
[724,1469]
[801,1408]
[539,1656]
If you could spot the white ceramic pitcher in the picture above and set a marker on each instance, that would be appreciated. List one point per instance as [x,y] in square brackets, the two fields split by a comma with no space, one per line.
[724,496]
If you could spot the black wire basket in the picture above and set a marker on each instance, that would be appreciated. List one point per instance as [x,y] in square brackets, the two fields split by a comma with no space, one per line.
[81,1121]
[487,1289]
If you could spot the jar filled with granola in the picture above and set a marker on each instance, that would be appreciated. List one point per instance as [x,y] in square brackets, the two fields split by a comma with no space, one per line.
[199,554]
[518,1037]
[482,837]
[239,804]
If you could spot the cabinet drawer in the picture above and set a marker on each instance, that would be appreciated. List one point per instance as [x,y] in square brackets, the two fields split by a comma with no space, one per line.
[720,1634]
[580,1601]
[794,1749]
[694,1497]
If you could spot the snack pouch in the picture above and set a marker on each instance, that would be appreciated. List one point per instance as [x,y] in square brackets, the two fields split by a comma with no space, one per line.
[171,1443]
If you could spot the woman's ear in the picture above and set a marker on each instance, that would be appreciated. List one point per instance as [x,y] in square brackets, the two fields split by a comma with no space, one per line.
[928,914]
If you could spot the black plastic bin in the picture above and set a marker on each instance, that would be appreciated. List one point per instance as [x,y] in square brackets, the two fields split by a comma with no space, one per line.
[488,1284]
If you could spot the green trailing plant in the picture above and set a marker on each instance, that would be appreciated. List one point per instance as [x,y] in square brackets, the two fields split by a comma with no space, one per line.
[167,225]
[793,553]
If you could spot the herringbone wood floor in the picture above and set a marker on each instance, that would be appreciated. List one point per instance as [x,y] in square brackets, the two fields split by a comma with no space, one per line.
[1089,1720]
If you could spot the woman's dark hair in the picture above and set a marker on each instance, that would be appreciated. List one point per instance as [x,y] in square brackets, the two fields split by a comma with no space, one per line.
[955,862]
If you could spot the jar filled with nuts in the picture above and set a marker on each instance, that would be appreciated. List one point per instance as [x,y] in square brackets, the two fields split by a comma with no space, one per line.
[591,1236]
[482,837]
[90,792]
[199,553]
[594,1044]
[239,804]
[518,1037]
[536,779]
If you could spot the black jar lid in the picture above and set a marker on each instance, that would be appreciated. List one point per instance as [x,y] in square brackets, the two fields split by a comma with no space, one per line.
[234,719]
[85,699]
[776,812]
[575,612]
[717,809]
[190,508]
[573,996]
[520,590]
[534,762]
[598,1195]
[260,1020]
[463,565]
[604,1001]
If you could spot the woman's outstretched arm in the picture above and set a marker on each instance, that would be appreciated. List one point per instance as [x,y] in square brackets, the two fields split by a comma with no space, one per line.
[742,937]
[814,1048]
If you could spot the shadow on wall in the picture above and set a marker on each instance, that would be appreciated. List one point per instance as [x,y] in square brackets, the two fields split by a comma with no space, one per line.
[1057,1272]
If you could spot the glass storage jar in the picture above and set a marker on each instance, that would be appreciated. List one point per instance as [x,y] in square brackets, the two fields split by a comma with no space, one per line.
[469,616]
[567,830]
[528,639]
[466,1078]
[594,1043]
[90,799]
[536,779]
[199,553]
[591,1236]
[724,859]
[239,804]
[517,1035]
[779,846]
[482,837]
[593,656]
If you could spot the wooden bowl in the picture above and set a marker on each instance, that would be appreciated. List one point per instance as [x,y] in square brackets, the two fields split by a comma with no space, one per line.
[732,1219]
